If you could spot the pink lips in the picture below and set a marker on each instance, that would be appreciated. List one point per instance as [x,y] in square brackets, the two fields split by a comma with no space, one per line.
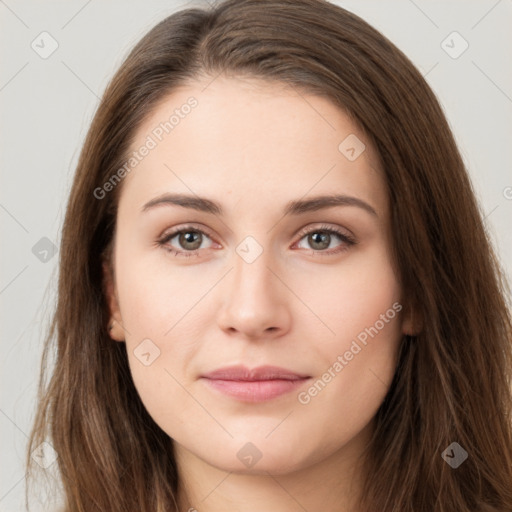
[256,385]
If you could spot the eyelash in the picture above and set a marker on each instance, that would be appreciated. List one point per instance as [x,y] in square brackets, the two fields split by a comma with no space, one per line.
[347,239]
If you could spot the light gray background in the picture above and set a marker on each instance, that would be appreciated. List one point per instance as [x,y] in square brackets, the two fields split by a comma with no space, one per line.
[47,105]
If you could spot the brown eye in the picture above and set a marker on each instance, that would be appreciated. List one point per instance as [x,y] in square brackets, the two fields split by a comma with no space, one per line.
[319,240]
[190,240]
[185,242]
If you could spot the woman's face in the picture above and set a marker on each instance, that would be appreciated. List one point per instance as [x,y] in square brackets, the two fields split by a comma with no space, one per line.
[265,273]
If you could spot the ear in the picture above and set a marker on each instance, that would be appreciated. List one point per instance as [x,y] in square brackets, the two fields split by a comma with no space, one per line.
[115,321]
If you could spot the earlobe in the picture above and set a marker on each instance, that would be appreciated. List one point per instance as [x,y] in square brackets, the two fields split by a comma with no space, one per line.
[115,328]
[116,331]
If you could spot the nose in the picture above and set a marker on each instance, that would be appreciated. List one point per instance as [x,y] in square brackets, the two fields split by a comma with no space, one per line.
[255,301]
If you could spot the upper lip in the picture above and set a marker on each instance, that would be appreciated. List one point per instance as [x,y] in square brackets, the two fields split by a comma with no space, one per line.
[242,373]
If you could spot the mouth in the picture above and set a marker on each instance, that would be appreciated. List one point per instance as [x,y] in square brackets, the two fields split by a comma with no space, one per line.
[256,385]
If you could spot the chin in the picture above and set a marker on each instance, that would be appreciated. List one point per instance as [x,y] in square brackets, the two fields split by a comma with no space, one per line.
[259,457]
[273,465]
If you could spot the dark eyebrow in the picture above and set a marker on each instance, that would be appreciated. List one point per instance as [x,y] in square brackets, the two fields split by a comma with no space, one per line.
[194,202]
[320,202]
[292,208]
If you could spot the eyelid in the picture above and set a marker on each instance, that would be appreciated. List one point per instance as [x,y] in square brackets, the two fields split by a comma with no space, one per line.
[325,227]
[190,226]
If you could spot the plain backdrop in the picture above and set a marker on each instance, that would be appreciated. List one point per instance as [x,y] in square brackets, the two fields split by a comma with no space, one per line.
[47,105]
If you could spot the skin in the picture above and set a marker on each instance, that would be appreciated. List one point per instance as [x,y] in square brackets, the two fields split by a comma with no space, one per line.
[253,147]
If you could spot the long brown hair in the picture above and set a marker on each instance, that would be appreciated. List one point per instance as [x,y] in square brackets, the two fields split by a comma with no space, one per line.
[453,379]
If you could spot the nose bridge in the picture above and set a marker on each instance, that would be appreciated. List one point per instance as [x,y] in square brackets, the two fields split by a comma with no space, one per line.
[251,270]
[254,302]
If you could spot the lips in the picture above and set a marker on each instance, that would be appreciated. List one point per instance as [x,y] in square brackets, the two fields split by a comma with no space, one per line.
[242,373]
[256,385]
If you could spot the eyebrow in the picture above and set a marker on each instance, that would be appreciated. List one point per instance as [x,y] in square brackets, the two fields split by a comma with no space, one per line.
[297,207]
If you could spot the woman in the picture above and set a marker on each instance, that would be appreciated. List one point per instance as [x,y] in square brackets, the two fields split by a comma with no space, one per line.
[276,290]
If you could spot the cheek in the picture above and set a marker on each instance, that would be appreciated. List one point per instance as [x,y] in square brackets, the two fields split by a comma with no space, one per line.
[157,296]
[360,305]
[350,297]
[162,316]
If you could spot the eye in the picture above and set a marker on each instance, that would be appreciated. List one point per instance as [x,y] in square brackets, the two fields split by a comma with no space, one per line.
[320,239]
[189,240]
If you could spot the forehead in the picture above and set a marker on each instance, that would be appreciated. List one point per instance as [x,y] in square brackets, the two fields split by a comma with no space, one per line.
[241,137]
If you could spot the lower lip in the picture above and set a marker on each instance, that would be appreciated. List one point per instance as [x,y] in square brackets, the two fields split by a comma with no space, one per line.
[254,391]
